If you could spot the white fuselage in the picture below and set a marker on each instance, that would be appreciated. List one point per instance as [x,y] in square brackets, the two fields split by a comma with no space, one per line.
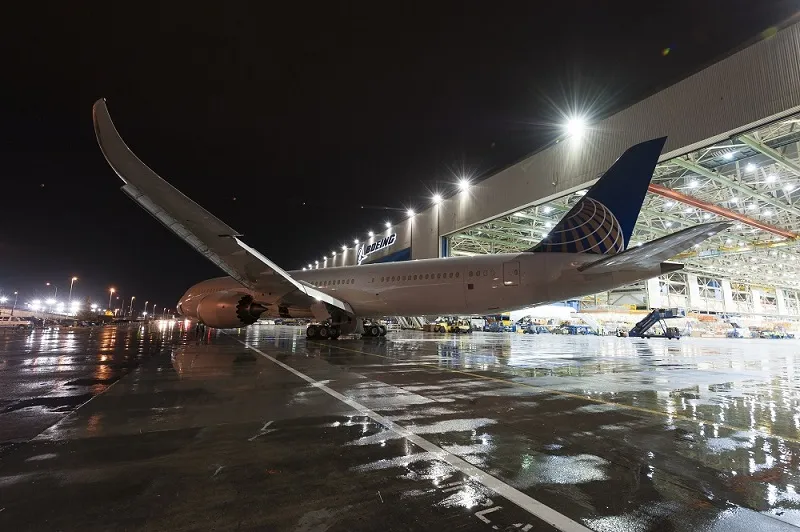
[475,285]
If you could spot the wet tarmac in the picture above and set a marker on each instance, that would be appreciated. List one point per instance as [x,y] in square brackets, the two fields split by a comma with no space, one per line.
[152,428]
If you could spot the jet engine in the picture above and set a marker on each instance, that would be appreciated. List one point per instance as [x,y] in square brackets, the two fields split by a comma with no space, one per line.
[229,310]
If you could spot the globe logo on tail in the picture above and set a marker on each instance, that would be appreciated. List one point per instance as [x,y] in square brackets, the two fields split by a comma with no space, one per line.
[590,227]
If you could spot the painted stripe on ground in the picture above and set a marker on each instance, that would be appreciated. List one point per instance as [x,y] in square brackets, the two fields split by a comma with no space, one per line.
[527,503]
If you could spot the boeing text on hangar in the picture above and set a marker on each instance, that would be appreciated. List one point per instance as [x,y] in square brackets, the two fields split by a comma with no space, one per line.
[366,250]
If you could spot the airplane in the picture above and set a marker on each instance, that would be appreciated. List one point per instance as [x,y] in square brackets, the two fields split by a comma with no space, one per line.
[586,252]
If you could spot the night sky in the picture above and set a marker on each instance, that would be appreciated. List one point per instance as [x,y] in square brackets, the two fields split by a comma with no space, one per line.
[285,120]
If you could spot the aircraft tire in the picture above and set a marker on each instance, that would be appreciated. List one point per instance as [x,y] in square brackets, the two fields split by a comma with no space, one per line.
[312,331]
[374,331]
[335,333]
[324,332]
[383,330]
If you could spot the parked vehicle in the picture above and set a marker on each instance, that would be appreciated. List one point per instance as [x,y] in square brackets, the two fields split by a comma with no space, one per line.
[14,322]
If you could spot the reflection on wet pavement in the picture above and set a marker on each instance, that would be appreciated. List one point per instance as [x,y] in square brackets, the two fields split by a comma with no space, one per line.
[614,433]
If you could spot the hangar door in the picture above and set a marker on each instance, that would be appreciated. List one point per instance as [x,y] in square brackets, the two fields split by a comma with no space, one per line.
[511,273]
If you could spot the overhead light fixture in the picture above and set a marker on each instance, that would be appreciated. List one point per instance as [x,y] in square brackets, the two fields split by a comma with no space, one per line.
[668,224]
[463,184]
[687,210]
[706,216]
[788,188]
[333,254]
[767,213]
[355,241]
[771,178]
[750,167]
[575,127]
[309,266]
[370,234]
[410,213]
[547,209]
[734,200]
[548,224]
[669,204]
[580,193]
[344,248]
[437,198]
[728,156]
[693,184]
[728,241]
[388,225]
[752,207]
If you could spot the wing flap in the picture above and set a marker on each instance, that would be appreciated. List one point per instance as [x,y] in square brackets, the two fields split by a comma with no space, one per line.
[653,253]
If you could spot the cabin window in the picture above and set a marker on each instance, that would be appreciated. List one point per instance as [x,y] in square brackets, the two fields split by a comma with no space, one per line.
[470,273]
[438,275]
[485,273]
[352,281]
[478,273]
[426,275]
[381,279]
[415,277]
[451,275]
[457,274]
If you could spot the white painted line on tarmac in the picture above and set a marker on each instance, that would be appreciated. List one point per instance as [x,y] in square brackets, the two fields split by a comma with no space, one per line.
[527,503]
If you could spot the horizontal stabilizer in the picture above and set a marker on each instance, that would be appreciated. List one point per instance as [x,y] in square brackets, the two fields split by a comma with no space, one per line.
[653,253]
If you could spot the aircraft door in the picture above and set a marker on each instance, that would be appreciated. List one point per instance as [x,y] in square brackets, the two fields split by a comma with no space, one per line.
[511,273]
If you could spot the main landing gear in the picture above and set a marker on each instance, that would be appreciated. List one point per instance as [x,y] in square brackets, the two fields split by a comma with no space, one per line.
[327,331]
[374,329]
[323,331]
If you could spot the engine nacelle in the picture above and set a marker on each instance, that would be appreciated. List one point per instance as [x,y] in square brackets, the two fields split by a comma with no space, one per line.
[229,310]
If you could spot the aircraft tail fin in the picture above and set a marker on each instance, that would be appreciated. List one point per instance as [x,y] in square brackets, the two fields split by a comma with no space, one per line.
[602,221]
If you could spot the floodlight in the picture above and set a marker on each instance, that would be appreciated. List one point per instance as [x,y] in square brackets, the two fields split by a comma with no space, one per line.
[575,127]
[437,199]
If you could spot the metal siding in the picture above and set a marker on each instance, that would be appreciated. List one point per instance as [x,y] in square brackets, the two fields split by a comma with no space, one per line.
[751,87]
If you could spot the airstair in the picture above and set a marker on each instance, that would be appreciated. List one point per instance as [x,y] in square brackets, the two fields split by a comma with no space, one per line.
[657,316]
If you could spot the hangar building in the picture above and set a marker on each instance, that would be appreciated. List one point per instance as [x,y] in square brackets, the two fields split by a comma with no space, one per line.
[732,153]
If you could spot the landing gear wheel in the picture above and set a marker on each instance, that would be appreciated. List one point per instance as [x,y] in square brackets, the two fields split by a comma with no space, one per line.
[383,330]
[312,331]
[437,329]
[335,333]
[324,332]
[374,330]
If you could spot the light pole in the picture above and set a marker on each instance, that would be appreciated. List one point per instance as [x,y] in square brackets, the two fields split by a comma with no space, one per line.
[145,309]
[16,296]
[110,293]
[69,298]
[130,310]
[154,310]
[55,295]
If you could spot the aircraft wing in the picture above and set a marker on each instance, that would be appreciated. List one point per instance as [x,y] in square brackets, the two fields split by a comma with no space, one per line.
[206,233]
[653,253]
